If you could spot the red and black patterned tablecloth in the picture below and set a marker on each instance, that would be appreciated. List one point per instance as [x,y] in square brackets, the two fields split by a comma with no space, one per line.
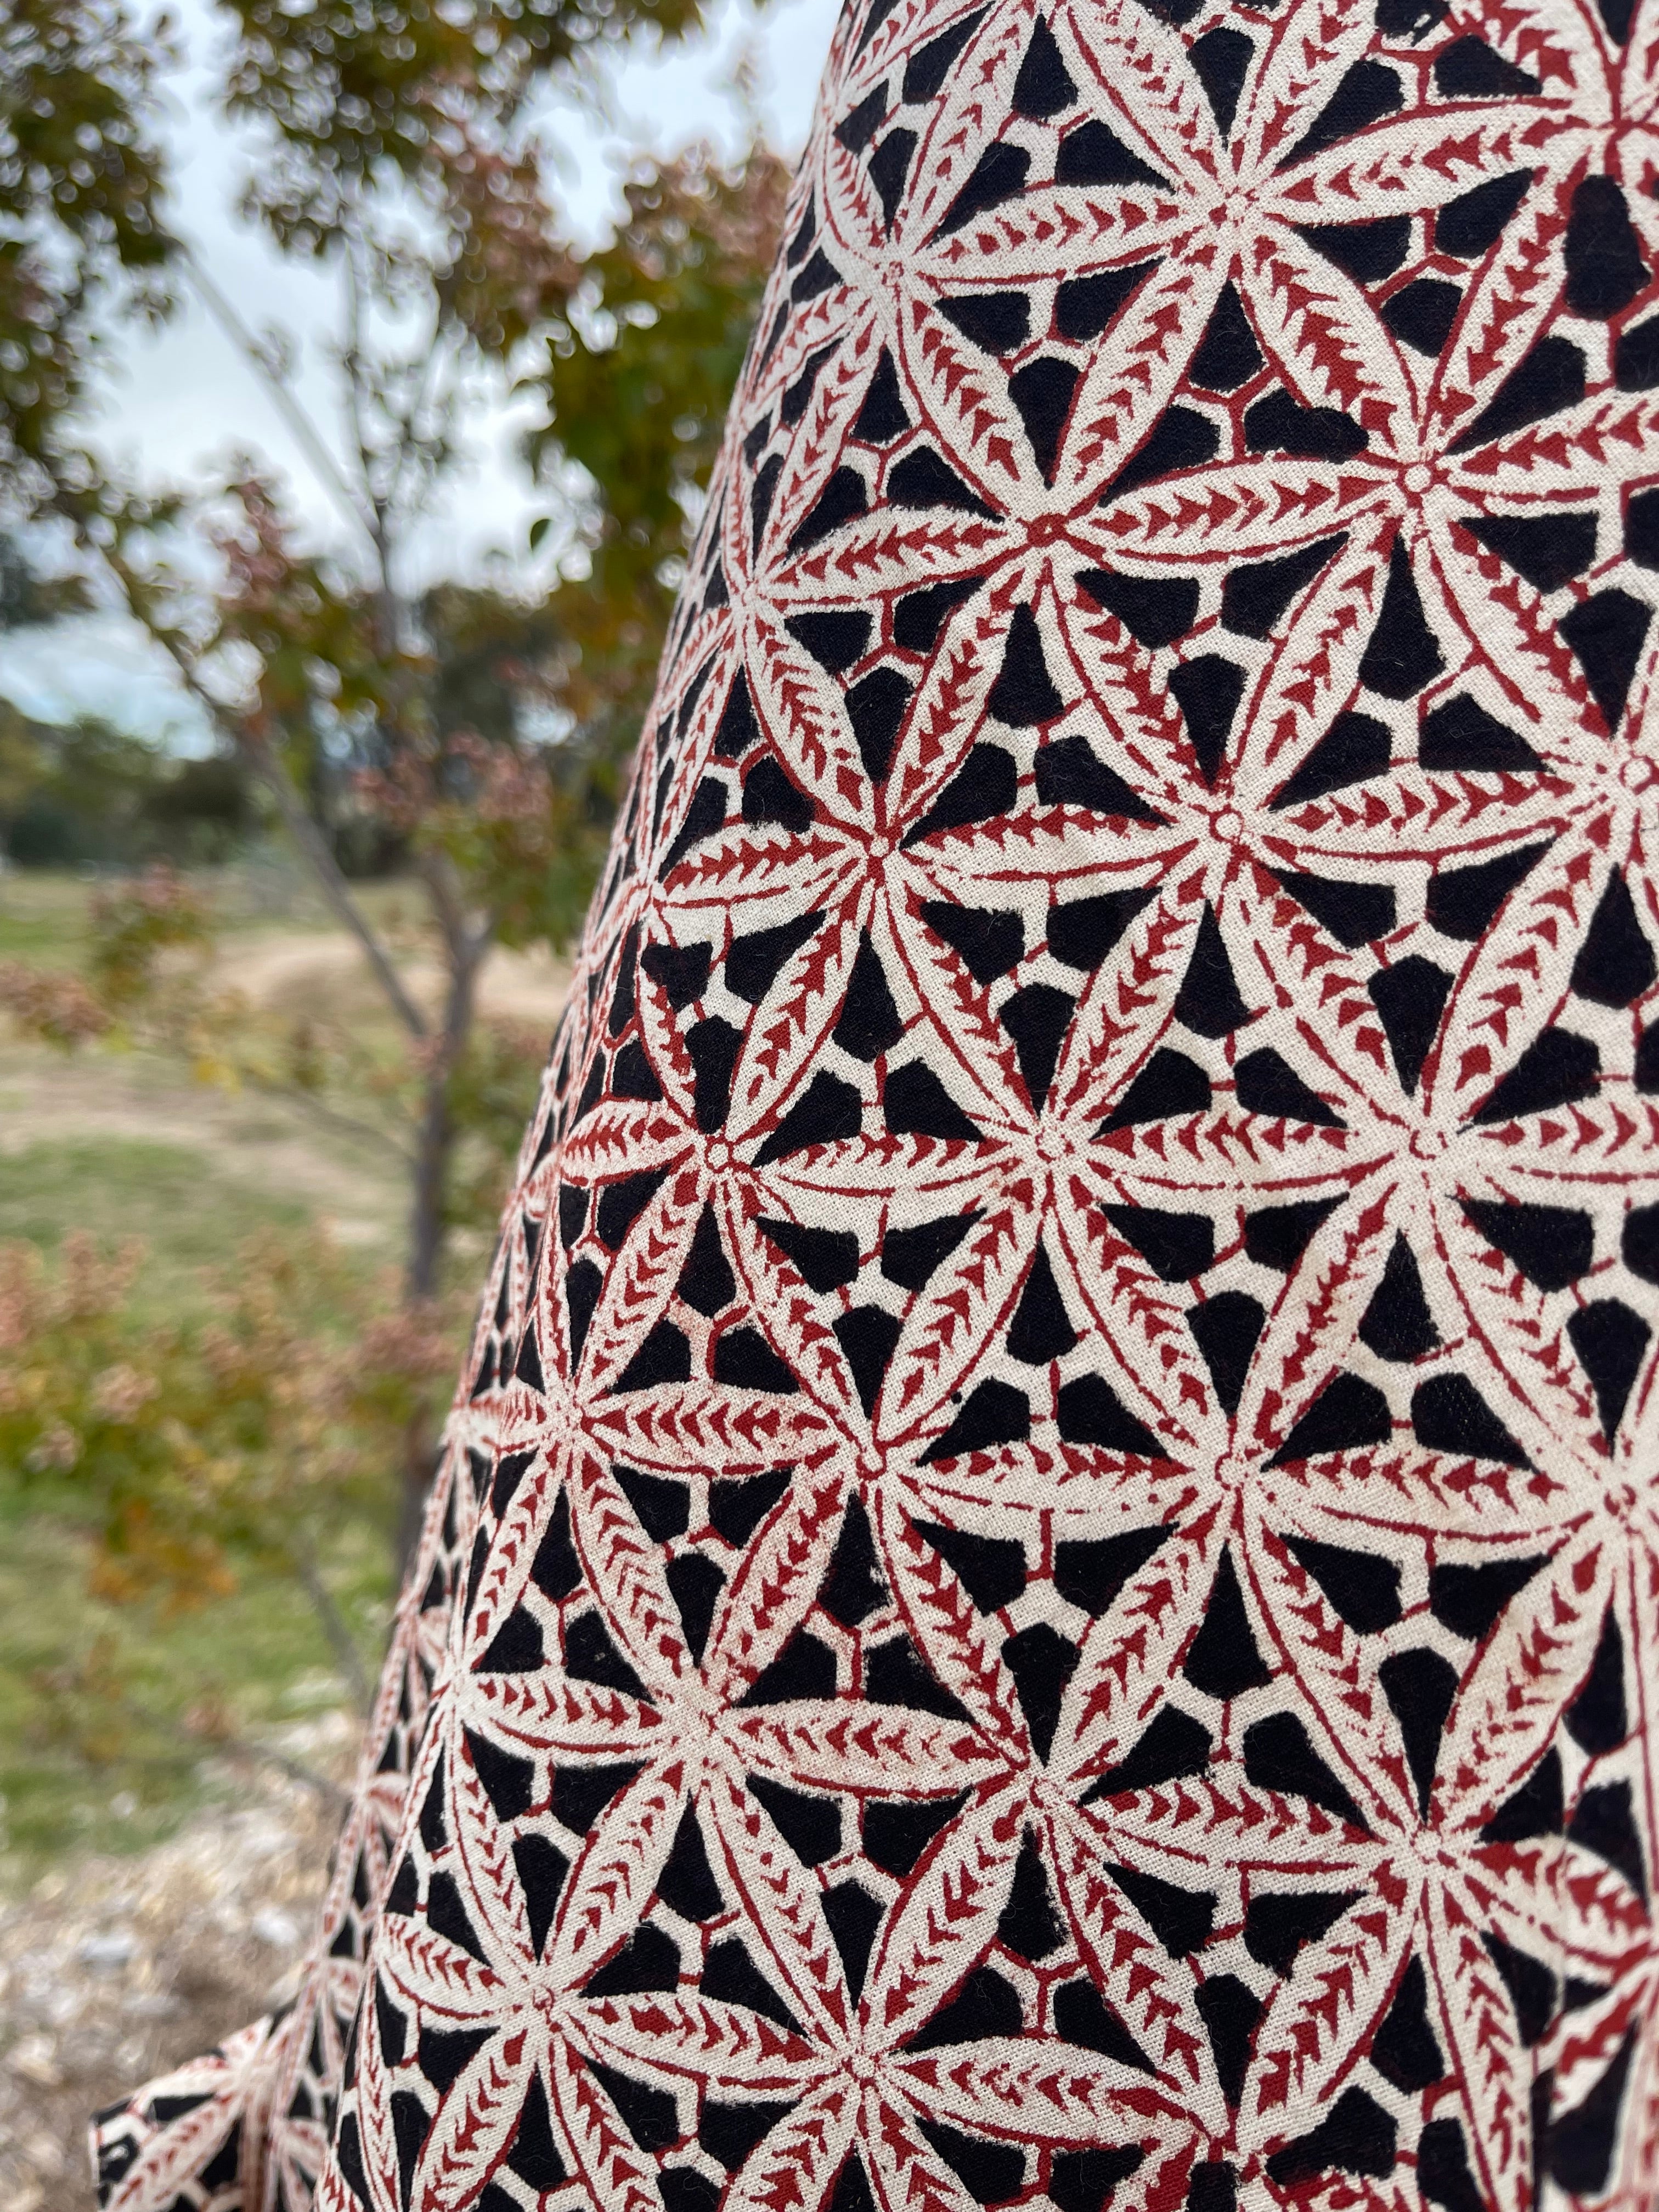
[1045,1587]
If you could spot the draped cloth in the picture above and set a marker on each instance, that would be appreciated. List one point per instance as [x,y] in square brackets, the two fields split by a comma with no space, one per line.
[1044,1584]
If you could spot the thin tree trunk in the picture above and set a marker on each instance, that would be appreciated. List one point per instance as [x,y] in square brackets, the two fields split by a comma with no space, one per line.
[464,947]
[348,1659]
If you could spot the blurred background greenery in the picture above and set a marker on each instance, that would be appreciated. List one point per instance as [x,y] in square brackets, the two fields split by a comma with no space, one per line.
[273,1002]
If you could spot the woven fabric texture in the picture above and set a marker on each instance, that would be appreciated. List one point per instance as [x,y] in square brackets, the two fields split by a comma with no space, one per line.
[1045,1585]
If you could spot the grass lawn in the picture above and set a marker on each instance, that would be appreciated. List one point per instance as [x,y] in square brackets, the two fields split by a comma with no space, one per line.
[76,1769]
[82,1771]
[43,918]
[126,1146]
[189,1218]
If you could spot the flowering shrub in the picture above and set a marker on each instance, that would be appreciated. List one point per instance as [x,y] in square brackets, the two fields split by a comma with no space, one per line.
[195,1449]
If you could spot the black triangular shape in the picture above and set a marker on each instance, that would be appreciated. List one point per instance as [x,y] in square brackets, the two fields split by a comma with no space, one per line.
[1421,1688]
[1209,1001]
[875,707]
[1403,654]
[910,1256]
[1607,632]
[929,66]
[1542,384]
[993,1413]
[1463,902]
[1030,1923]
[916,1103]
[1361,1587]
[1423,314]
[1448,1415]
[1223,1660]
[1207,689]
[824,1259]
[1468,68]
[1228,355]
[1355,914]
[1366,92]
[1279,1756]
[1397,1324]
[1255,594]
[1227,1329]
[1547,550]
[1090,1573]
[1463,737]
[1581,2141]
[1182,438]
[997,322]
[1170,1084]
[1552,1245]
[1042,85]
[991,1569]
[998,175]
[1598,1719]
[1603,254]
[1175,1246]
[1155,610]
[1473,223]
[1615,962]
[1037,1018]
[1556,1069]
[1404,2049]
[1367,251]
[1467,1598]
[1264,1082]
[869,1024]
[1410,997]
[1277,1236]
[986,785]
[1611,1344]
[1040,1330]
[686,1881]
[1070,773]
[1222,60]
[1085,306]
[1092,155]
[882,418]
[1278,1921]
[1172,1745]
[1349,1414]
[868,1337]
[1024,694]
[853,1589]
[754,961]
[1534,1809]
[1042,391]
[1179,1918]
[1090,1412]
[1082,932]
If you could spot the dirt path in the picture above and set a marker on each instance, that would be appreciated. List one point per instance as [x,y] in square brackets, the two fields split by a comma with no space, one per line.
[112,1970]
[354,1182]
[290,967]
[268,1145]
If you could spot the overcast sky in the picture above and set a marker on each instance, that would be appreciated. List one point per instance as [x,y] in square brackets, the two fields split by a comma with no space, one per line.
[187,401]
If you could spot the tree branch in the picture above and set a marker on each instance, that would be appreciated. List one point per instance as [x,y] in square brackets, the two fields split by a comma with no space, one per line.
[341,1641]
[244,1748]
[268,765]
[327,469]
[330,1117]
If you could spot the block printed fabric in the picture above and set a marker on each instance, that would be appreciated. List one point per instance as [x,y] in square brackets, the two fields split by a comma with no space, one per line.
[1045,1585]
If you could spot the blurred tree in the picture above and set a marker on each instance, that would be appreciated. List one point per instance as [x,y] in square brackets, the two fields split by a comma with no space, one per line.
[481,730]
[80,231]
[195,1450]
